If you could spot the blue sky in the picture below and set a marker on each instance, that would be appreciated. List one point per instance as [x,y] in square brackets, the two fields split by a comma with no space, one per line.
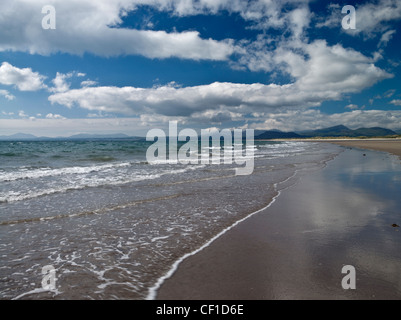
[133,65]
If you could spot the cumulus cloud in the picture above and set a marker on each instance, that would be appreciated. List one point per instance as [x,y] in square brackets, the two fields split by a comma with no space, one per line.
[88,83]
[318,71]
[389,93]
[330,68]
[264,14]
[289,120]
[386,37]
[22,114]
[323,73]
[60,83]
[299,120]
[7,95]
[352,107]
[396,102]
[372,18]
[54,116]
[186,101]
[23,79]
[94,28]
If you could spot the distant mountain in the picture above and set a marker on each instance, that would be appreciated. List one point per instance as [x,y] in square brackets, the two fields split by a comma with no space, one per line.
[18,136]
[82,136]
[376,131]
[336,131]
[99,136]
[343,131]
[276,134]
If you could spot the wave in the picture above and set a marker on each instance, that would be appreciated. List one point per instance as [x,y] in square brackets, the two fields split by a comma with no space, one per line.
[26,173]
[117,178]
[101,158]
[9,154]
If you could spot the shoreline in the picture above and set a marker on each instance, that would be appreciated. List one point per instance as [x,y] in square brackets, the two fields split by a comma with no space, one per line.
[268,256]
[390,145]
[153,291]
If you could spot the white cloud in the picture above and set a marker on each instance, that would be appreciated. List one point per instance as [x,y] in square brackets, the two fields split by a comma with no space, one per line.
[264,13]
[216,116]
[60,83]
[186,101]
[299,120]
[396,102]
[386,37]
[319,72]
[322,73]
[88,83]
[371,18]
[23,79]
[54,116]
[299,20]
[90,26]
[389,93]
[22,114]
[290,120]
[330,68]
[352,107]
[7,95]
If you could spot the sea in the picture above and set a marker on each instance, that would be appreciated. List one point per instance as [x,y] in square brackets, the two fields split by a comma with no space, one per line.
[113,226]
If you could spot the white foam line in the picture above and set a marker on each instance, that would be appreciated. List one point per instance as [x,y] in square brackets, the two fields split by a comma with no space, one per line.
[34,291]
[153,290]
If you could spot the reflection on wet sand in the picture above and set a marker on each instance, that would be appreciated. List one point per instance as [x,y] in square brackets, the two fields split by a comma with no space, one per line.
[340,215]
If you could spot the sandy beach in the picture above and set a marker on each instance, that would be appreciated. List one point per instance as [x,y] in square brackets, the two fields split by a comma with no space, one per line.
[391,146]
[295,249]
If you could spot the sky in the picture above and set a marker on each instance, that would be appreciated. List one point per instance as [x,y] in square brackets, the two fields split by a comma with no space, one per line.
[129,66]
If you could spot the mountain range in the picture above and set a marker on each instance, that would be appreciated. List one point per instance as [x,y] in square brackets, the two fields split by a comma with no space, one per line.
[343,131]
[337,131]
[82,136]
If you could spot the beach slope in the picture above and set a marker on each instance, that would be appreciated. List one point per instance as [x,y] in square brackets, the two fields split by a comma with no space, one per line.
[333,217]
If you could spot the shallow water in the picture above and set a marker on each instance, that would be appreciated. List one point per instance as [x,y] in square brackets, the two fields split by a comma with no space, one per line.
[110,223]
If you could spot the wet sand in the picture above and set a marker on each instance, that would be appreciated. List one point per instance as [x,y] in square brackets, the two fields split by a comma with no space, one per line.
[392,146]
[296,249]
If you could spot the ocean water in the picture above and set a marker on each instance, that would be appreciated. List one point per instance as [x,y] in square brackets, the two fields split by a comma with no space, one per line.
[113,225]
